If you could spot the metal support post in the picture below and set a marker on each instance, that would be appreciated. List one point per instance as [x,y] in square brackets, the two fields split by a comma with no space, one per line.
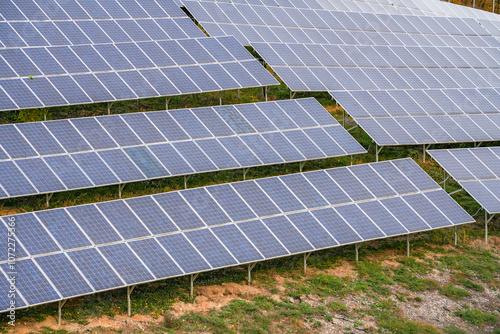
[220,98]
[129,292]
[306,256]
[238,94]
[473,3]
[301,165]
[343,118]
[59,309]
[186,179]
[245,171]
[454,192]
[167,101]
[493,10]
[444,181]
[357,252]
[45,112]
[408,237]
[250,268]
[110,104]
[292,95]
[120,189]
[455,235]
[265,93]
[47,199]
[352,159]
[425,148]
[377,151]
[487,219]
[193,277]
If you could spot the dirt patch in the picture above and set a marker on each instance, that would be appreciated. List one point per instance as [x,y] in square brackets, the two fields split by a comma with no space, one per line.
[10,211]
[345,269]
[493,243]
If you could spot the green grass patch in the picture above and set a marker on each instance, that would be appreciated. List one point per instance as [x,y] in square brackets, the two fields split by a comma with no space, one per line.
[471,285]
[375,276]
[337,306]
[449,290]
[476,317]
[412,282]
[453,330]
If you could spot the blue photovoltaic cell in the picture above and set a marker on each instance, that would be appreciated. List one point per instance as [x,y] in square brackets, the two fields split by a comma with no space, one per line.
[277,116]
[68,136]
[351,186]
[34,286]
[280,194]
[234,119]
[236,243]
[70,90]
[5,302]
[304,144]
[14,143]
[63,229]
[68,172]
[448,207]
[95,169]
[126,263]
[40,175]
[425,209]
[32,235]
[184,253]
[260,236]
[384,220]
[94,133]
[404,214]
[194,156]
[138,84]
[87,260]
[94,224]
[213,122]
[256,198]
[155,258]
[124,220]
[306,193]
[372,181]
[151,215]
[13,181]
[221,158]
[211,248]
[337,227]
[146,162]
[359,221]
[327,187]
[94,89]
[288,234]
[262,149]
[167,126]
[116,86]
[256,118]
[179,210]
[40,138]
[171,159]
[121,165]
[209,211]
[324,142]
[63,274]
[119,130]
[394,177]
[417,175]
[231,202]
[312,230]
[240,151]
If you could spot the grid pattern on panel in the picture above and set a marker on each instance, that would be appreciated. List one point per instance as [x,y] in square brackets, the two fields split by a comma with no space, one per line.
[477,170]
[405,79]
[306,226]
[57,53]
[90,152]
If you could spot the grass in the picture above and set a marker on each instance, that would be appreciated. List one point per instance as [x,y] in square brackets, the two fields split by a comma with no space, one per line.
[476,317]
[471,285]
[449,290]
[412,282]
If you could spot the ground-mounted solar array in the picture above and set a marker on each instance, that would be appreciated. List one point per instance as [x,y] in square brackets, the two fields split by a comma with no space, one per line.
[404,79]
[477,170]
[74,251]
[76,52]
[53,156]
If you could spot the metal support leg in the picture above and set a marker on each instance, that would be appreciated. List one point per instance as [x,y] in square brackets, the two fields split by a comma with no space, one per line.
[487,219]
[250,268]
[47,199]
[186,179]
[444,181]
[238,94]
[352,159]
[425,148]
[455,235]
[408,237]
[120,189]
[129,292]
[265,93]
[301,166]
[193,277]
[306,256]
[474,4]
[343,118]
[59,309]
[45,112]
[220,98]
[292,95]
[245,171]
[357,252]
[110,104]
[493,10]
[167,101]
[377,151]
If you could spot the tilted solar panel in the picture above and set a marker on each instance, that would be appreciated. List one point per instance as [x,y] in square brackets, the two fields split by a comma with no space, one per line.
[202,229]
[53,156]
[55,54]
[477,170]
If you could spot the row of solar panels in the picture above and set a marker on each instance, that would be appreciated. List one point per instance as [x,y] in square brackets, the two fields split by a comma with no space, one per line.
[45,10]
[477,170]
[214,12]
[277,217]
[89,152]
[160,76]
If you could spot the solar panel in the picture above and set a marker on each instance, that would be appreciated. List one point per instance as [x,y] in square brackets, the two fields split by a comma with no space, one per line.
[151,145]
[476,170]
[119,50]
[377,70]
[221,226]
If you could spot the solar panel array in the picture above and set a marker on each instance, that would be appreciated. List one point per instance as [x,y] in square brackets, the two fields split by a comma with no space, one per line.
[74,251]
[477,170]
[76,52]
[404,79]
[53,156]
